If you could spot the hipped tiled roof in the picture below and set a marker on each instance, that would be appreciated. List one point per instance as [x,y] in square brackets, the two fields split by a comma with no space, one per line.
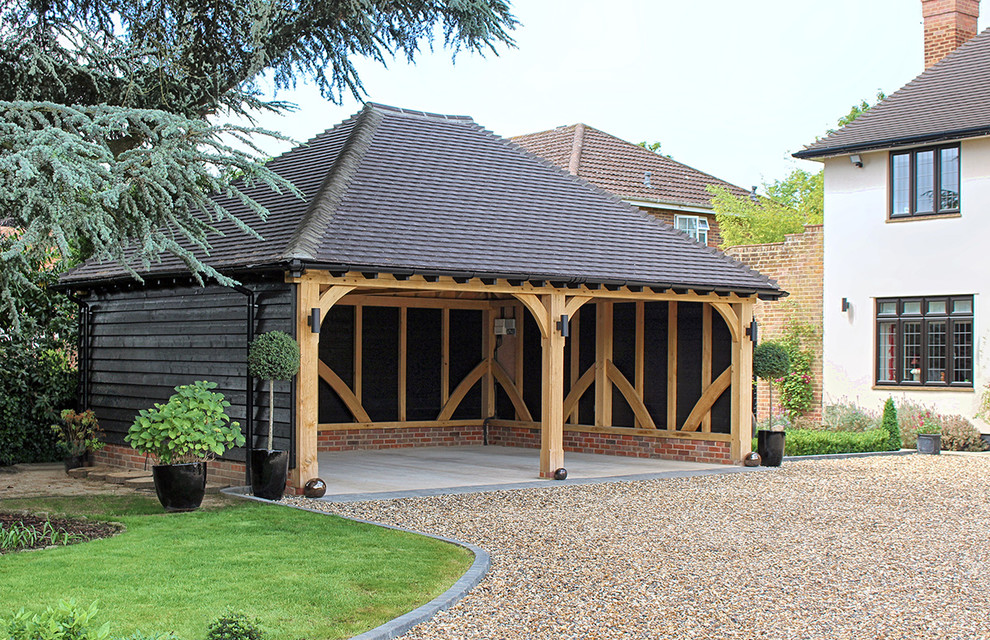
[398,191]
[623,168]
[950,100]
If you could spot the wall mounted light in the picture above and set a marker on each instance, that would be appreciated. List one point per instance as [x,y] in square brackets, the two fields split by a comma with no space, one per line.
[856,160]
[314,319]
[562,325]
[753,331]
[845,305]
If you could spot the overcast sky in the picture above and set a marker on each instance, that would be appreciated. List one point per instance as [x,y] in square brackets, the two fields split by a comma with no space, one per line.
[728,87]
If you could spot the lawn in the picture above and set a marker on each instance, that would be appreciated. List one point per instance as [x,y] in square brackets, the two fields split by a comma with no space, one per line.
[302,575]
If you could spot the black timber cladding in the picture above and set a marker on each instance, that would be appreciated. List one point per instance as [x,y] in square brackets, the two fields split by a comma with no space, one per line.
[950,100]
[391,191]
[144,342]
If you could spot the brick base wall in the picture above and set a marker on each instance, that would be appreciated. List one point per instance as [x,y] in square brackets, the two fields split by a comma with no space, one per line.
[575,441]
[224,472]
[353,439]
[797,264]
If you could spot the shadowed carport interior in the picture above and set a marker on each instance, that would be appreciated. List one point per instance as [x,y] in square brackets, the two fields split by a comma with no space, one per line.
[396,473]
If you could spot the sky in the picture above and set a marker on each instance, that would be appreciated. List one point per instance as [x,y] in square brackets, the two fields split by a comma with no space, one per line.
[729,87]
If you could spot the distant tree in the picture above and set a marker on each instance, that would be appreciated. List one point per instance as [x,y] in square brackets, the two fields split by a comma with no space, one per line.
[788,205]
[109,109]
[654,147]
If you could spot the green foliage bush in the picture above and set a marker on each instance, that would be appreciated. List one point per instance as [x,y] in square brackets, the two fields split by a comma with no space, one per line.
[796,391]
[234,626]
[37,339]
[802,442]
[78,432]
[889,425]
[64,621]
[958,433]
[191,426]
[847,416]
[273,356]
[770,360]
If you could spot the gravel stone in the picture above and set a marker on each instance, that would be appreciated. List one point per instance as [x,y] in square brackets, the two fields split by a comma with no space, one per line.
[880,547]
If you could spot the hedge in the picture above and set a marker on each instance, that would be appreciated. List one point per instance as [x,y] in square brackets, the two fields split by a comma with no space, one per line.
[809,442]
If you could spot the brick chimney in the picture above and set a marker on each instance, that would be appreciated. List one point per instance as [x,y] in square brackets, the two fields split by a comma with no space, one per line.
[948,24]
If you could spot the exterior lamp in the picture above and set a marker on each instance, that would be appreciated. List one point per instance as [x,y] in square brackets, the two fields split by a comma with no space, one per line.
[857,160]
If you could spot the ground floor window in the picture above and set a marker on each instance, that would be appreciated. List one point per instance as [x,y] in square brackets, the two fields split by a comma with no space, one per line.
[925,341]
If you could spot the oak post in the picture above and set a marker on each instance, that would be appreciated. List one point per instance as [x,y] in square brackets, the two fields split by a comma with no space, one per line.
[603,353]
[552,415]
[742,376]
[307,385]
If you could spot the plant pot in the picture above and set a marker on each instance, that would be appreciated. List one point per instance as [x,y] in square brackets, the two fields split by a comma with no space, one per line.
[929,443]
[269,471]
[74,462]
[180,487]
[770,446]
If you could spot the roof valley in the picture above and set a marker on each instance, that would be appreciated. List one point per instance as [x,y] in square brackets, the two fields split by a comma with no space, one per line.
[317,219]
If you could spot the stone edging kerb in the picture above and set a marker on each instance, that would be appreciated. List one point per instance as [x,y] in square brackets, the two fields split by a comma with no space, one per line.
[398,626]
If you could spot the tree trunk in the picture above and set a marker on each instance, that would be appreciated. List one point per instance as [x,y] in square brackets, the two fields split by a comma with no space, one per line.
[271,412]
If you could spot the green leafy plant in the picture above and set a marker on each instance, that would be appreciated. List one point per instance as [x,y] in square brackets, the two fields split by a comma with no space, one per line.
[889,424]
[770,361]
[796,387]
[234,626]
[801,442]
[65,621]
[78,432]
[190,427]
[21,536]
[847,416]
[929,425]
[273,356]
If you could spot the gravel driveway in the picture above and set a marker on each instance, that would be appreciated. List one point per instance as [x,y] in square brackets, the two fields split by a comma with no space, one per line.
[883,547]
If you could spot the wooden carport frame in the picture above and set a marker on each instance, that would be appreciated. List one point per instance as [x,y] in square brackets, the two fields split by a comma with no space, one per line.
[547,302]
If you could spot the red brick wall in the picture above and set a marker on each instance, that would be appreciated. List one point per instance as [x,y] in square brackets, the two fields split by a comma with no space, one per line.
[352,439]
[635,446]
[797,266]
[224,472]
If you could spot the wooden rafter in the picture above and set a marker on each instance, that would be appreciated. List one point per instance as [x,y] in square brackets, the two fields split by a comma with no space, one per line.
[573,304]
[708,398]
[347,396]
[629,393]
[731,319]
[538,311]
[331,297]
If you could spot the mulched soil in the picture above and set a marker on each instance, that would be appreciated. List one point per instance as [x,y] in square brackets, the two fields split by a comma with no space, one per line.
[85,529]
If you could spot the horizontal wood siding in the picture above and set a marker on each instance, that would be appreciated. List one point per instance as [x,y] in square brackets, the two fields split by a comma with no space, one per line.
[146,341]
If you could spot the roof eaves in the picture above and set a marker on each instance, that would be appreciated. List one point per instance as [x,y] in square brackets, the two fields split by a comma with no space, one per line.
[823,152]
[305,241]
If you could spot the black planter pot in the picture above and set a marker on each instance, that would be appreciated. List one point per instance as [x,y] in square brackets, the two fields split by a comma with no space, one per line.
[269,471]
[180,487]
[74,462]
[929,443]
[770,446]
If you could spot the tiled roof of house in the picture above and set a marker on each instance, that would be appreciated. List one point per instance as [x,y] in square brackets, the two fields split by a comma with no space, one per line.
[397,191]
[623,168]
[950,100]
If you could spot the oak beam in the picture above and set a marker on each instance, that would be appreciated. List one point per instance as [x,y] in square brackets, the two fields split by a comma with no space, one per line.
[629,393]
[742,376]
[348,397]
[703,407]
[445,358]
[552,414]
[706,360]
[672,366]
[603,353]
[307,385]
[640,373]
[462,389]
[403,338]
[502,376]
[358,351]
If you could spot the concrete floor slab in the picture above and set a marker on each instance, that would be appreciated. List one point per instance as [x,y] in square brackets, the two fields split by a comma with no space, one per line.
[398,473]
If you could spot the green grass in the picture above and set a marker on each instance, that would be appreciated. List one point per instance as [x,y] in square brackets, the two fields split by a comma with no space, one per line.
[303,575]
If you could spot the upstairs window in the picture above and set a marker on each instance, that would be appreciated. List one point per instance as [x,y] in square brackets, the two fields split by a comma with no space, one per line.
[925,341]
[694,226]
[924,182]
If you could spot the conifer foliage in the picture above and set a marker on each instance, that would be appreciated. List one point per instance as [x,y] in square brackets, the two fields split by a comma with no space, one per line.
[111,111]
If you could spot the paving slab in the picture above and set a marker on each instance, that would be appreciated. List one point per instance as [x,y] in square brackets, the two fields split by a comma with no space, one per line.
[121,477]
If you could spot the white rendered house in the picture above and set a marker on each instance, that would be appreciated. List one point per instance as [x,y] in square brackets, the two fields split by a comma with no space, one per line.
[907,231]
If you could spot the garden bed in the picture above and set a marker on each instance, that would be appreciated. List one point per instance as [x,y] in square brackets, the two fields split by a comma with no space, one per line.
[33,531]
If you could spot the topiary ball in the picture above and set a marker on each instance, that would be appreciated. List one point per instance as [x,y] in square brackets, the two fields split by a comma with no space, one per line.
[752,459]
[770,360]
[315,488]
[560,474]
[273,356]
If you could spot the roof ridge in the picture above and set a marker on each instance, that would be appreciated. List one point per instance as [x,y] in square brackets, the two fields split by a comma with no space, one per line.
[305,240]
[414,112]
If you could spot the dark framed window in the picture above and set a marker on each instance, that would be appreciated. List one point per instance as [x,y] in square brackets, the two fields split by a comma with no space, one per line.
[924,182]
[925,341]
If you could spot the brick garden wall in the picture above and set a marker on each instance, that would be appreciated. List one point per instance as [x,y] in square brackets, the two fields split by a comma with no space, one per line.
[797,266]
[224,472]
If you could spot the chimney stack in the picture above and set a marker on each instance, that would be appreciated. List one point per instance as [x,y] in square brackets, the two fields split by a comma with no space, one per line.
[948,24]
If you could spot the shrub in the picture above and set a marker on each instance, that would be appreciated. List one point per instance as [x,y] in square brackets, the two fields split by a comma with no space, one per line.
[889,424]
[959,434]
[234,626]
[770,360]
[846,416]
[800,442]
[191,426]
[796,390]
[65,621]
[273,356]
[78,432]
